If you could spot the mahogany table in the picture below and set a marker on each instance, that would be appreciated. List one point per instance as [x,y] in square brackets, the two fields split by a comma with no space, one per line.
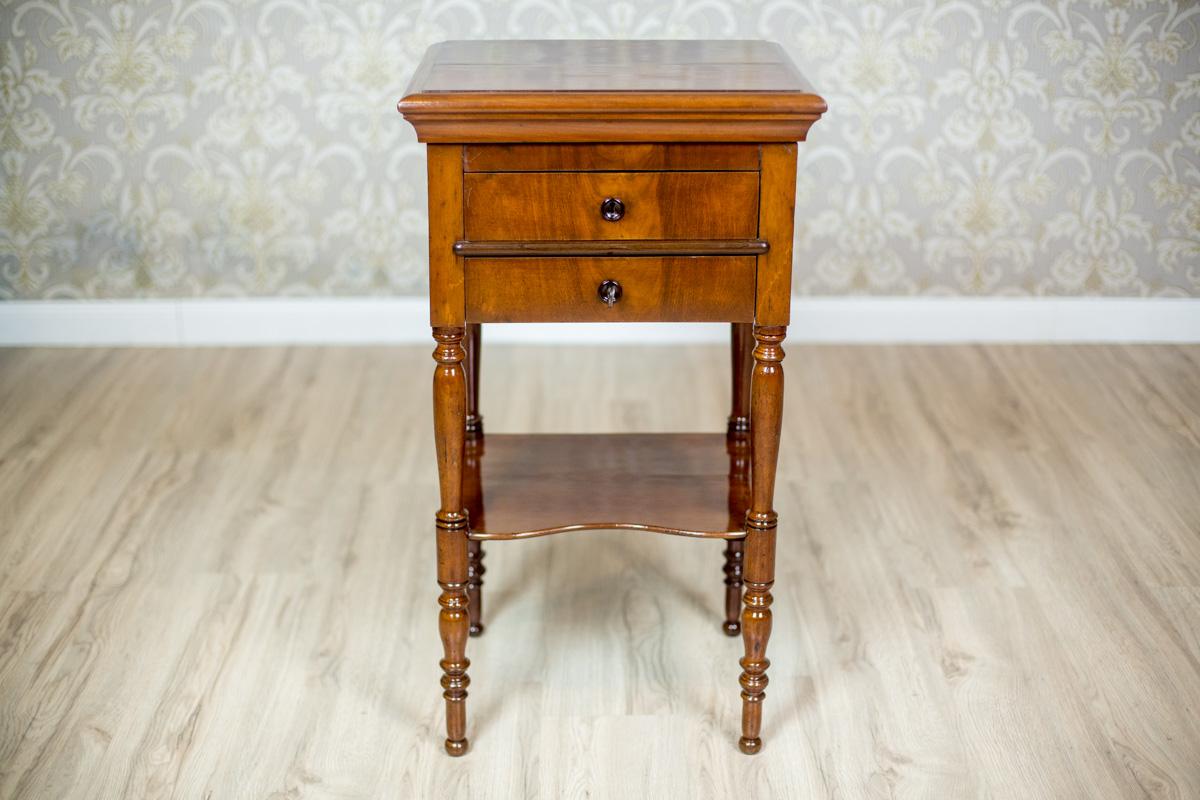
[606,181]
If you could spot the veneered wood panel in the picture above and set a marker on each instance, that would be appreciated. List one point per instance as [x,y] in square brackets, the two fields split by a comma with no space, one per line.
[609,91]
[778,199]
[627,157]
[550,483]
[636,66]
[445,228]
[683,289]
[529,122]
[628,77]
[566,205]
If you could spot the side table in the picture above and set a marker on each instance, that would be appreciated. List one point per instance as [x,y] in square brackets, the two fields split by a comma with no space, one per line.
[609,181]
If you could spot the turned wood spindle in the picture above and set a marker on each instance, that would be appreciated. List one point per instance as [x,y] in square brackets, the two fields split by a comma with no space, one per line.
[738,446]
[758,568]
[474,345]
[449,416]
[733,587]
[473,500]
[475,571]
[742,365]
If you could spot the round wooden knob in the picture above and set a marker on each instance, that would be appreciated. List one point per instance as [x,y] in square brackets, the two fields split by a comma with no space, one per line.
[612,209]
[609,292]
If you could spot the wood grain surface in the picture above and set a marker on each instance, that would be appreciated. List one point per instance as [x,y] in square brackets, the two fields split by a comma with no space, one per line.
[609,91]
[566,205]
[216,581]
[446,281]
[778,203]
[640,66]
[627,157]
[679,483]
[676,289]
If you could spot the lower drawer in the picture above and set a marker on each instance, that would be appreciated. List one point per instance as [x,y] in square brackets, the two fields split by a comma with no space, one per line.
[678,289]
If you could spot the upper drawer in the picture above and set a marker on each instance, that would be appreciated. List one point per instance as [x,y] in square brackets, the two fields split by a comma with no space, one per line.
[646,205]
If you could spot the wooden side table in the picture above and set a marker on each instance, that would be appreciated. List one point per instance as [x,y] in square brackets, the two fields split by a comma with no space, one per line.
[604,181]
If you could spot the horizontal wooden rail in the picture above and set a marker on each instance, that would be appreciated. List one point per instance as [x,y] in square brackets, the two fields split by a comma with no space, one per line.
[614,247]
[601,526]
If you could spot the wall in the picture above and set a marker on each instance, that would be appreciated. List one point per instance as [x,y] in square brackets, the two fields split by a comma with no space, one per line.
[224,148]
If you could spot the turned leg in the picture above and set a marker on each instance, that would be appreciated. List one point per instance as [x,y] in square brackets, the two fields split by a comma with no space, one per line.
[474,341]
[742,364]
[733,587]
[449,414]
[758,568]
[473,500]
[737,444]
[474,428]
[475,570]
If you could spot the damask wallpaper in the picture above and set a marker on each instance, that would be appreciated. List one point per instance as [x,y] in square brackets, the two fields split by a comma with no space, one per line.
[178,148]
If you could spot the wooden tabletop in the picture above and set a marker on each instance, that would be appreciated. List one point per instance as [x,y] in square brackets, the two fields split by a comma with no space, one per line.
[598,90]
[607,66]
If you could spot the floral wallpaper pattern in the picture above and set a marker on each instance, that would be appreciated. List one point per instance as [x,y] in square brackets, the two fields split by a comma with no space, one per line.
[178,148]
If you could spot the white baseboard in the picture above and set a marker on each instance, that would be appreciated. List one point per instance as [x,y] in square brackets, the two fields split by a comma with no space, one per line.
[405,320]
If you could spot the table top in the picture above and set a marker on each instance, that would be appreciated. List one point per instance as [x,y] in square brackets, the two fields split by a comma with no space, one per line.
[643,66]
[601,90]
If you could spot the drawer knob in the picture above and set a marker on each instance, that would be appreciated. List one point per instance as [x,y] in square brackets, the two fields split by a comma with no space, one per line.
[609,292]
[612,209]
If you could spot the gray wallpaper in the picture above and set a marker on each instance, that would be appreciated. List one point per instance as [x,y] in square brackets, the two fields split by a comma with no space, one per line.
[179,148]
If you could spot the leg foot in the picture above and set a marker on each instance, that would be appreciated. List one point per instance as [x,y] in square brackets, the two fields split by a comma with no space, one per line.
[456,748]
[749,746]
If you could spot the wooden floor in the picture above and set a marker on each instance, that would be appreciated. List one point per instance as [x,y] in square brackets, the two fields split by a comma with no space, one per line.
[216,581]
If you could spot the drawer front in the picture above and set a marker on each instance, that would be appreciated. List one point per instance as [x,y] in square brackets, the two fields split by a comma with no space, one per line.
[680,289]
[572,205]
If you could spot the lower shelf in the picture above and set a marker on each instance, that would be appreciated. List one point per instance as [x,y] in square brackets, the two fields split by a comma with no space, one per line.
[519,486]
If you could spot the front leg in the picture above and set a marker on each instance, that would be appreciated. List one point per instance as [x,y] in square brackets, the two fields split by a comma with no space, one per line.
[449,417]
[758,568]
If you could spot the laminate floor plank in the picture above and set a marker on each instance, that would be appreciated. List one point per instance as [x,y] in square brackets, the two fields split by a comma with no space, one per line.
[216,580]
